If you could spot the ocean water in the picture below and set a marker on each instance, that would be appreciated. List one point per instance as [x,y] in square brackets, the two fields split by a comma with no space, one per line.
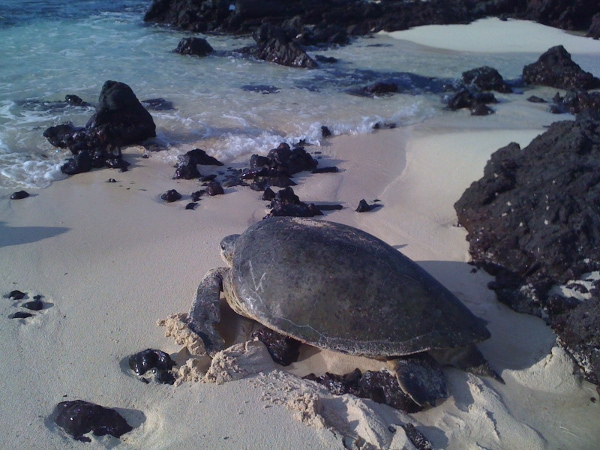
[51,48]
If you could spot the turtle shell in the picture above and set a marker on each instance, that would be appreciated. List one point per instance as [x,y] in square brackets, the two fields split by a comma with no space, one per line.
[336,287]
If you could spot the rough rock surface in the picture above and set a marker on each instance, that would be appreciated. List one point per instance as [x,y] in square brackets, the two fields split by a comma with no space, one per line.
[274,45]
[313,22]
[120,119]
[486,78]
[194,46]
[555,68]
[79,418]
[533,221]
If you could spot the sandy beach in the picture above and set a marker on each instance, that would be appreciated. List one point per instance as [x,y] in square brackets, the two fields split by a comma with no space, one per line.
[111,259]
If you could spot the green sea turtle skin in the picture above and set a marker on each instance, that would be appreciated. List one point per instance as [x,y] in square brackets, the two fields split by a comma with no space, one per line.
[336,287]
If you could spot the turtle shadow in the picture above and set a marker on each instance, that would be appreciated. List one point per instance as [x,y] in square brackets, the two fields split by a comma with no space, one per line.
[518,341]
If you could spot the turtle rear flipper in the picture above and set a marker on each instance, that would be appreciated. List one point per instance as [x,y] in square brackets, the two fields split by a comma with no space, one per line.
[421,378]
[205,311]
[467,358]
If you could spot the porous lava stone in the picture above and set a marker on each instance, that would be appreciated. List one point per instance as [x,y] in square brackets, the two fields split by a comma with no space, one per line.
[79,417]
[283,349]
[381,387]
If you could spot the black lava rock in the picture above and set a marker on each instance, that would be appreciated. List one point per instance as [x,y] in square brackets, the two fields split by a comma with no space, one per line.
[486,78]
[577,330]
[555,68]
[194,46]
[150,359]
[363,206]
[171,196]
[469,98]
[187,166]
[214,188]
[34,305]
[416,437]
[533,221]
[16,295]
[79,417]
[120,119]
[380,88]
[577,102]
[381,387]
[273,45]
[21,315]
[80,163]
[19,195]
[287,203]
[283,349]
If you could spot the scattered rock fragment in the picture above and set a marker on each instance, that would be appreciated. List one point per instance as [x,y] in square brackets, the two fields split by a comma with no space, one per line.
[155,361]
[79,417]
[16,295]
[486,78]
[287,203]
[363,206]
[283,349]
[21,315]
[469,98]
[19,195]
[214,188]
[171,196]
[417,438]
[381,387]
[194,46]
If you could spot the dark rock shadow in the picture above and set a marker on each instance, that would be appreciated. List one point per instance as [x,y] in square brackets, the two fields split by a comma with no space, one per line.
[26,235]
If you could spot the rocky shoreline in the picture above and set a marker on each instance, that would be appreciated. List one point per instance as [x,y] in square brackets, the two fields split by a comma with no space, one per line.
[313,22]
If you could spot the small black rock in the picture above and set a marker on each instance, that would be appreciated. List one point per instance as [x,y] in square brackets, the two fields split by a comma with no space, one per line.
[17,295]
[19,195]
[34,305]
[283,349]
[191,205]
[21,315]
[79,417]
[150,359]
[196,195]
[171,196]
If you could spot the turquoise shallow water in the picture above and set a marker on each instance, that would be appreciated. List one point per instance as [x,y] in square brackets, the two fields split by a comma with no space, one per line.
[51,48]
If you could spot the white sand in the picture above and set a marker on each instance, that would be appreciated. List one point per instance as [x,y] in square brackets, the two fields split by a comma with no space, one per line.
[493,35]
[111,259]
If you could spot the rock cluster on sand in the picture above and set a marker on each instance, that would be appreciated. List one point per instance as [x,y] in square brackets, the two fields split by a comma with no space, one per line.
[533,221]
[120,119]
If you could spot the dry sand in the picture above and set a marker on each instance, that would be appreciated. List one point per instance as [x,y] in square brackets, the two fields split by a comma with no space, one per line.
[110,259]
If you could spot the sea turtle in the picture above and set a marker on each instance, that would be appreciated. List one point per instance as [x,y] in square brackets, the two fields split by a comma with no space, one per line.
[336,287]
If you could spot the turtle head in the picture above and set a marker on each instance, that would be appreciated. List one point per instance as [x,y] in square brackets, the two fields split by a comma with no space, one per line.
[228,247]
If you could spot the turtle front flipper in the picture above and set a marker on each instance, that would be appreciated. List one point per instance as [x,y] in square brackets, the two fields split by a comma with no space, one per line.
[421,378]
[205,311]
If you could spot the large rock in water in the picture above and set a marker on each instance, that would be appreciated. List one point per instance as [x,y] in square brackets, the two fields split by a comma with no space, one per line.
[273,45]
[533,221]
[120,119]
[121,115]
[555,68]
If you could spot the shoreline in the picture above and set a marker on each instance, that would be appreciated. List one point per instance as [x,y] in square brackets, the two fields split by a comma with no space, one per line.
[111,259]
[121,260]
